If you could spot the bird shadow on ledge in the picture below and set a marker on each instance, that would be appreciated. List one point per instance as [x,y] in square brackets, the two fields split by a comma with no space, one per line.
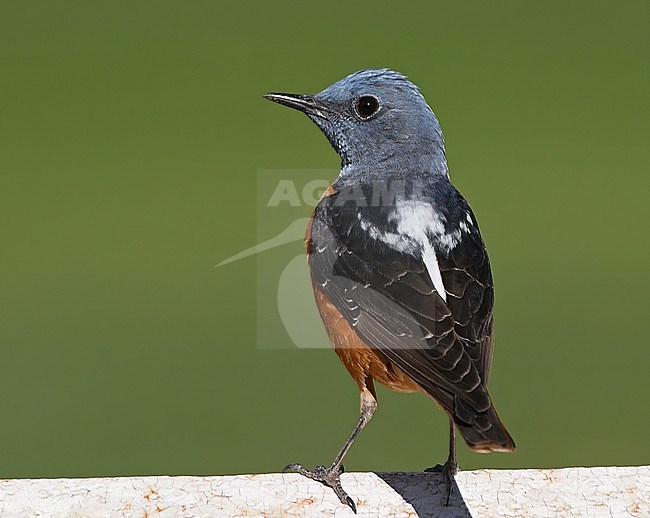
[427,493]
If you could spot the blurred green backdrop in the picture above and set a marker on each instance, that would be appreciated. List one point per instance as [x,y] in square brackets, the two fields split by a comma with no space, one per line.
[130,136]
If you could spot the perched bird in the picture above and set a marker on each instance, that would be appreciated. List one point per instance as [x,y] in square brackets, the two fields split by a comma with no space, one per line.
[400,272]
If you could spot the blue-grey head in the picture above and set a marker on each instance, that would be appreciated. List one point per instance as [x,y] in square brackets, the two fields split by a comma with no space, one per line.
[375,118]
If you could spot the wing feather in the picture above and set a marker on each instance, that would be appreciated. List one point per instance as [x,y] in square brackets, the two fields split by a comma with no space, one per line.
[389,298]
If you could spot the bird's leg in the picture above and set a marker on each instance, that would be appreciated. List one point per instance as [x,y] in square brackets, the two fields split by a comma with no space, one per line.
[451,460]
[450,467]
[332,476]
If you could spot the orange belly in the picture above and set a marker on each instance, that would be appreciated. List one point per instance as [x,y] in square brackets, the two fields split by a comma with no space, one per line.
[363,363]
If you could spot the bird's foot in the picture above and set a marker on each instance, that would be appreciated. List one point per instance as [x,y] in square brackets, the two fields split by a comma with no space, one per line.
[449,469]
[330,477]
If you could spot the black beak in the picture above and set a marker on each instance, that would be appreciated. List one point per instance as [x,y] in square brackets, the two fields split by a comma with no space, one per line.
[304,103]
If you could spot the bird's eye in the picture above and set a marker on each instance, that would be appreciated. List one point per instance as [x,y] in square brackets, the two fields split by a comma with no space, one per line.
[367,106]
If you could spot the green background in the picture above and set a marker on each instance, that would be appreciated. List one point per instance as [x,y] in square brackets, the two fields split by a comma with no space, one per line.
[131,134]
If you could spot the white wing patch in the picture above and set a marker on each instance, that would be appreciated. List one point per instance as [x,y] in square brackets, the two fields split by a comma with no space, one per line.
[416,222]
[431,262]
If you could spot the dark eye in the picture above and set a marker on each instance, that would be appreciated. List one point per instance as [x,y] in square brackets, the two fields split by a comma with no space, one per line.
[367,106]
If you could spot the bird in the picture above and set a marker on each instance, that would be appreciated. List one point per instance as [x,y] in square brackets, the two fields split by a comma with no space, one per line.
[400,271]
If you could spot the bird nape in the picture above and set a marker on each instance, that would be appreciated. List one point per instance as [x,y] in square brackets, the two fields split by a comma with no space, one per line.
[400,273]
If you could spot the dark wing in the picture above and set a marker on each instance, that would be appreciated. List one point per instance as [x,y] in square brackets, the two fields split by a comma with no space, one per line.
[467,277]
[390,300]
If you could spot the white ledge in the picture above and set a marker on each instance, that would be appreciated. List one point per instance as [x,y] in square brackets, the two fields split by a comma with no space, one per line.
[612,491]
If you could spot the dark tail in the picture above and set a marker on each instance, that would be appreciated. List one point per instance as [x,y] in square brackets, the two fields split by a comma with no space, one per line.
[486,433]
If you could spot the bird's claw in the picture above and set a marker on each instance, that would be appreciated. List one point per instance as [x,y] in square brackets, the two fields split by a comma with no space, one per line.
[329,477]
[449,469]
